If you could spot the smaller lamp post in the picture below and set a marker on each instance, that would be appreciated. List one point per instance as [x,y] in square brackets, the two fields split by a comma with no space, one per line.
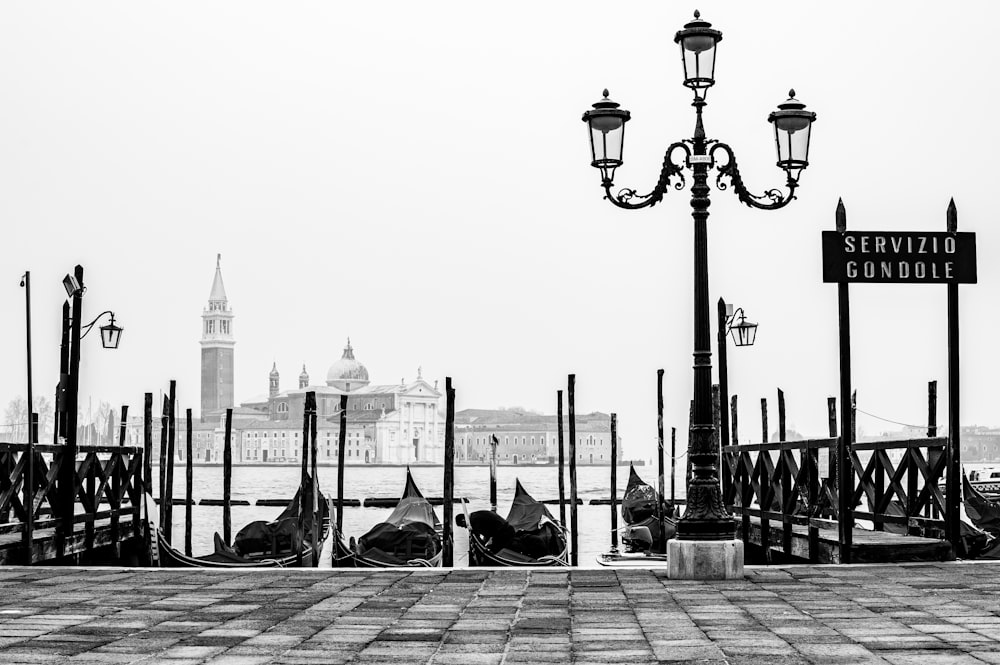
[110,337]
[744,333]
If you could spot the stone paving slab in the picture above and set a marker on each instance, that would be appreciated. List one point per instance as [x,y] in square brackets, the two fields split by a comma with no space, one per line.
[926,613]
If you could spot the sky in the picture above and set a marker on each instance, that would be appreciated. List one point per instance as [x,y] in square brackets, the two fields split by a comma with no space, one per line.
[416,176]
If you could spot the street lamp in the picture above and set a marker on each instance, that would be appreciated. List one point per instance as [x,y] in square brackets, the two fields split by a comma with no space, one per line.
[110,333]
[705,519]
[744,333]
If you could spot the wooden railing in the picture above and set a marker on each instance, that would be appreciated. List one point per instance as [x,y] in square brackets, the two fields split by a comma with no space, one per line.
[34,484]
[781,482]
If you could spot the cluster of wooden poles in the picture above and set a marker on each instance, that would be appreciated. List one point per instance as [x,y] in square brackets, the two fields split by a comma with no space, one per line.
[310,503]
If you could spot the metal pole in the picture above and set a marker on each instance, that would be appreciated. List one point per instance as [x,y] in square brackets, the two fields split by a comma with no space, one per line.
[448,553]
[705,517]
[954,459]
[845,471]
[32,432]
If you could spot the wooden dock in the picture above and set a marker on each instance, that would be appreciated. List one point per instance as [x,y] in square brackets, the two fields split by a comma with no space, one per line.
[822,544]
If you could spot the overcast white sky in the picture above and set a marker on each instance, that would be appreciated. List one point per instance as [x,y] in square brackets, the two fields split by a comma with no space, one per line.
[416,176]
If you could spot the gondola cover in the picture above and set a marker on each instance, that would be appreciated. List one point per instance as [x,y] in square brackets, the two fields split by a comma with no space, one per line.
[411,531]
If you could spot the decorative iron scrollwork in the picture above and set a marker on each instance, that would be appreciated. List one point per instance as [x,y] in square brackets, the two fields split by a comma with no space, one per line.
[771,199]
[625,197]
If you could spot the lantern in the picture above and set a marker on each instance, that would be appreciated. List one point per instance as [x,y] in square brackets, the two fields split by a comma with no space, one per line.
[745,332]
[111,334]
[698,41]
[607,135]
[792,128]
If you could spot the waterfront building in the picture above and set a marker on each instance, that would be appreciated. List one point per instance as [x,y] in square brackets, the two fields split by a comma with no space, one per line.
[386,424]
[526,438]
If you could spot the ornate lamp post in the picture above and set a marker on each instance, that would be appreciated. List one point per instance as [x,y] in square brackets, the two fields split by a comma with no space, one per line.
[705,518]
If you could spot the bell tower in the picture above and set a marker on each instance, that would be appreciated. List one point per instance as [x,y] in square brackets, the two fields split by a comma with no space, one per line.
[217,344]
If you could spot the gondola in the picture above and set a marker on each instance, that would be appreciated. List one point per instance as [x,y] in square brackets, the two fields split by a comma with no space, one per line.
[641,533]
[527,517]
[257,545]
[409,537]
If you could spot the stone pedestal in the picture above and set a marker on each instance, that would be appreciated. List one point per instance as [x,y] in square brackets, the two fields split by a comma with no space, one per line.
[704,559]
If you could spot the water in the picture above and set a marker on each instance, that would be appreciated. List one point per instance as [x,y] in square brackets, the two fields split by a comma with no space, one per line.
[473,482]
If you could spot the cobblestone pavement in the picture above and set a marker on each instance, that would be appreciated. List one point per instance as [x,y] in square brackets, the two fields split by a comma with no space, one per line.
[917,613]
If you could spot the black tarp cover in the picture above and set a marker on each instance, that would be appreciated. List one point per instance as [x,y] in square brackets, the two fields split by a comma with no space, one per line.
[279,536]
[412,519]
[526,513]
[639,500]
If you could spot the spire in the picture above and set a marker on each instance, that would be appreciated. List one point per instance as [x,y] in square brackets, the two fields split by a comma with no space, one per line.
[303,377]
[348,350]
[218,289]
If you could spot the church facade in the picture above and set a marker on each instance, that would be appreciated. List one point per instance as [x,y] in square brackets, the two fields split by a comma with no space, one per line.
[386,424]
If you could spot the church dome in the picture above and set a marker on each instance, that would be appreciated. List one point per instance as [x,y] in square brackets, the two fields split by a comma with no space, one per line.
[347,373]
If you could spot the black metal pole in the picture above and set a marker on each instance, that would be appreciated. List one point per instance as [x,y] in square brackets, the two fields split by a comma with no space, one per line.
[571,404]
[845,470]
[32,431]
[562,460]
[448,549]
[614,483]
[705,517]
[954,459]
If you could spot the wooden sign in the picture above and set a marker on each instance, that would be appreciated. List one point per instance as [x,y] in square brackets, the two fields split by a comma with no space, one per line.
[899,257]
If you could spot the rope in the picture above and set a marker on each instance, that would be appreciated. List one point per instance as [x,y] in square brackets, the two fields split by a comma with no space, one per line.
[894,422]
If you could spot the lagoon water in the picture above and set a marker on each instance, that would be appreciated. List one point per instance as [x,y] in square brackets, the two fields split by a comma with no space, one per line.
[473,482]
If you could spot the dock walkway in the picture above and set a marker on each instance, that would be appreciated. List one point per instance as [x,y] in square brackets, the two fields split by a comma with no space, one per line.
[880,613]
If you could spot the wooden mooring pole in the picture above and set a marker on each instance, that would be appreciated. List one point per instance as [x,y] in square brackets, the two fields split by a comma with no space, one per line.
[763,420]
[227,480]
[188,483]
[168,502]
[571,404]
[562,459]
[164,417]
[614,483]
[659,462]
[673,462]
[303,507]
[448,545]
[317,514]
[494,443]
[341,453]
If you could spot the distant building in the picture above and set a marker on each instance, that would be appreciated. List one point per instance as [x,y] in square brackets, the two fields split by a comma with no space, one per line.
[217,346]
[526,438]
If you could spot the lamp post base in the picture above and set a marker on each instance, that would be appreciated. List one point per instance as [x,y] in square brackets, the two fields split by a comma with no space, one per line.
[704,559]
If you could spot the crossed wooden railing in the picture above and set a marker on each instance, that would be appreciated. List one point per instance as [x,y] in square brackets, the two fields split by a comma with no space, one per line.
[781,482]
[107,484]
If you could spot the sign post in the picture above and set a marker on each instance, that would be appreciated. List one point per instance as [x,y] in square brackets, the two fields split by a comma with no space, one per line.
[898,257]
